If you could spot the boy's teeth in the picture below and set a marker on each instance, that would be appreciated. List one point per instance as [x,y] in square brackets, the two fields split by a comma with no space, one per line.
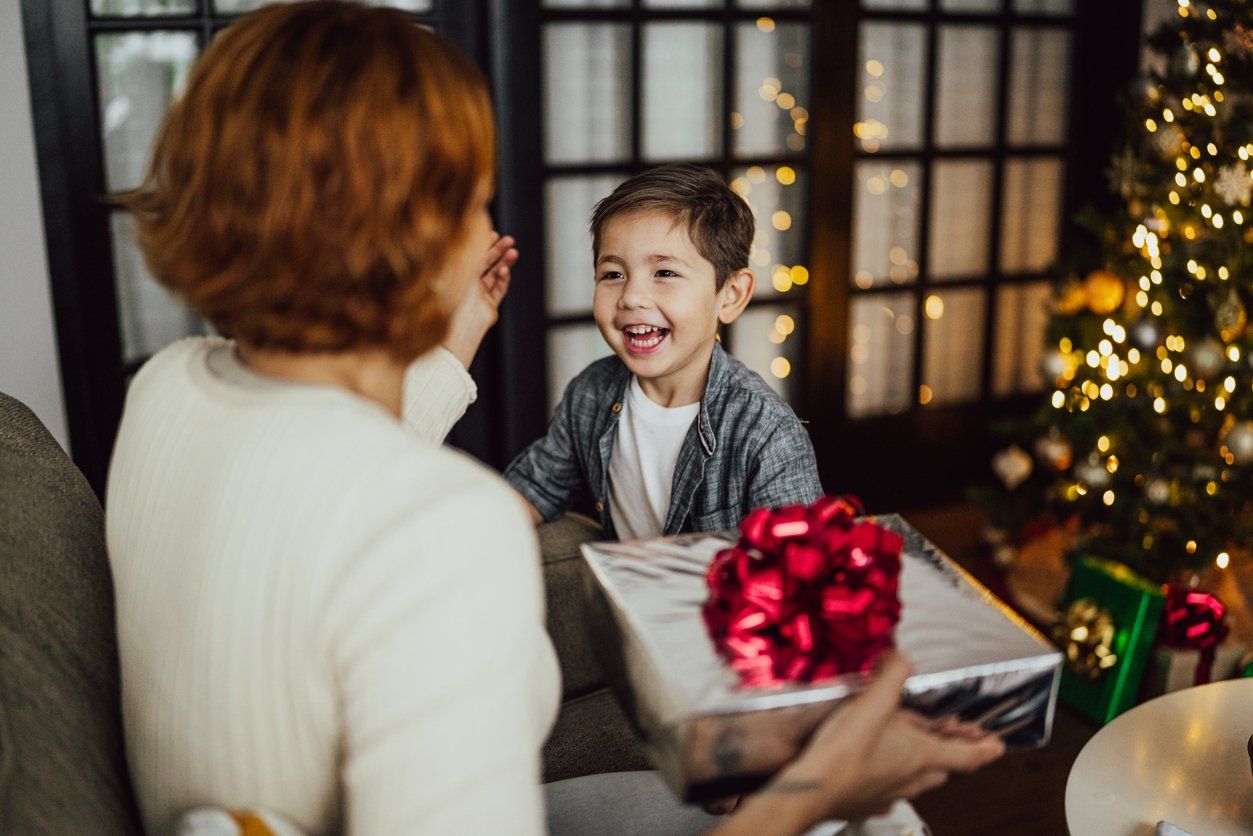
[644,336]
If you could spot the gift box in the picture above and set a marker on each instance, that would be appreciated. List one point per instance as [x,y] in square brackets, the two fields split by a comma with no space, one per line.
[1109,618]
[712,735]
[1173,669]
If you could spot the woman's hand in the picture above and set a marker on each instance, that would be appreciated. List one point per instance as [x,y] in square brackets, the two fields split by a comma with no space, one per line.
[867,754]
[480,308]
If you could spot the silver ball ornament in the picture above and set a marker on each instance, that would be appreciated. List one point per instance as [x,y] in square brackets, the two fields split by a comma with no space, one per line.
[1207,357]
[1052,364]
[1157,490]
[1054,450]
[1239,440]
[1146,333]
[1092,473]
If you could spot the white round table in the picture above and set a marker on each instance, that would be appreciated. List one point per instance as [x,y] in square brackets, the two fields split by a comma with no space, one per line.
[1182,758]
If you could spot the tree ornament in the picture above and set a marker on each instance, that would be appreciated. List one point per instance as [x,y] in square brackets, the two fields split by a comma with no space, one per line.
[1231,316]
[1157,490]
[1072,299]
[1012,466]
[1053,449]
[1146,333]
[1206,357]
[1092,473]
[1238,40]
[1184,61]
[1169,141]
[1234,185]
[1239,440]
[1127,174]
[1053,364]
[1105,291]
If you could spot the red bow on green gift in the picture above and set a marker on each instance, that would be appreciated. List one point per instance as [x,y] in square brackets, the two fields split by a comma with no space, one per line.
[1194,620]
[806,594]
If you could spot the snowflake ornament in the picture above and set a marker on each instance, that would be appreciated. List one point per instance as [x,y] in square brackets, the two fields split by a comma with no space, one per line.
[1234,184]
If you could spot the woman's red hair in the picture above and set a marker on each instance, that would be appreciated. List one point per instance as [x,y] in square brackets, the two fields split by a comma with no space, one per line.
[304,191]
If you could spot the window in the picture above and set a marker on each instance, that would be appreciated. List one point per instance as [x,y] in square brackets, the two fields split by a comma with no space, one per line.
[628,86]
[960,155]
[103,73]
[909,163]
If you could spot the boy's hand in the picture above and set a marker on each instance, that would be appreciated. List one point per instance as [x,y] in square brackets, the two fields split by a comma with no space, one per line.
[480,309]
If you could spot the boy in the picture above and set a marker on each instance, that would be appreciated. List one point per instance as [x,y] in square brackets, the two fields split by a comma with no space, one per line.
[670,434]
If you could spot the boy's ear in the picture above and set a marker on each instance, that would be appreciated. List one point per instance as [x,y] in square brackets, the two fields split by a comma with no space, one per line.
[736,294]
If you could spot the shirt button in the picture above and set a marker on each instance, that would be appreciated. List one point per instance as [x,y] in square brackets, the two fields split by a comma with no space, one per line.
[600,507]
[617,407]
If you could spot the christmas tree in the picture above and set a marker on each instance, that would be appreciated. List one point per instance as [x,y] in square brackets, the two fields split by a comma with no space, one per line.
[1146,437]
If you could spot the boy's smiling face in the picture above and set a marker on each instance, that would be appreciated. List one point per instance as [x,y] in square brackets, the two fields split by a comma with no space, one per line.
[657,301]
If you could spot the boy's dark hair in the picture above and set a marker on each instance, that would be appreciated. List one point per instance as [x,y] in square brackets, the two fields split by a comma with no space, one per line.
[718,220]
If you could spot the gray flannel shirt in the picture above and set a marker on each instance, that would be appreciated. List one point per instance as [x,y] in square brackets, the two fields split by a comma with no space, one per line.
[745,450]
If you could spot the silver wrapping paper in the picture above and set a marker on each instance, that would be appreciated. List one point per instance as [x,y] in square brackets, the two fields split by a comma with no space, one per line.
[973,657]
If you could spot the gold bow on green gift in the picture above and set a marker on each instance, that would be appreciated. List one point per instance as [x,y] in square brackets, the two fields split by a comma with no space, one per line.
[1086,635]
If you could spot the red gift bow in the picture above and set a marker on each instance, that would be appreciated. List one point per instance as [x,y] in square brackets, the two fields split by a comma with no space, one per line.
[806,594]
[1194,620]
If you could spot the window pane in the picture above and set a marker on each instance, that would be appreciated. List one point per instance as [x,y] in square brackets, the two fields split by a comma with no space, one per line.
[1044,7]
[771,89]
[682,90]
[965,112]
[139,73]
[568,244]
[1030,217]
[970,5]
[881,355]
[141,8]
[885,223]
[587,69]
[241,6]
[149,316]
[952,346]
[776,194]
[571,348]
[961,198]
[1039,75]
[1022,317]
[766,338]
[892,58]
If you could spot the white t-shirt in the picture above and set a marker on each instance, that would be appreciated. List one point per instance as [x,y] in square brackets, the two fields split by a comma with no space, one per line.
[641,469]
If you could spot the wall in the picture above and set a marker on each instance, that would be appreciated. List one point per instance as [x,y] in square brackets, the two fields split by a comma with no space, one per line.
[28,349]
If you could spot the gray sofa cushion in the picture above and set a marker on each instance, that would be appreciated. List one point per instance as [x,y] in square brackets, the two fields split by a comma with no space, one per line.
[591,735]
[62,761]
[563,586]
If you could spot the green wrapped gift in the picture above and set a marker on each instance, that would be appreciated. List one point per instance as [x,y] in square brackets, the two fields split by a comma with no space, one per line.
[1106,633]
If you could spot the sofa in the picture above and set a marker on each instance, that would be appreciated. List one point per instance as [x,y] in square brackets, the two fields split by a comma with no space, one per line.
[62,757]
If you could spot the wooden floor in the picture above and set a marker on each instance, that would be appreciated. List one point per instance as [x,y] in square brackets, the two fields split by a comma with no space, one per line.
[1023,794]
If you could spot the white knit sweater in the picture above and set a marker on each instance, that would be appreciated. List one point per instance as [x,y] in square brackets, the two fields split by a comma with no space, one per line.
[320,611]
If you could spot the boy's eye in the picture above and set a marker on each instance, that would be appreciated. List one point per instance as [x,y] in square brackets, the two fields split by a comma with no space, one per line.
[609,275]
[667,274]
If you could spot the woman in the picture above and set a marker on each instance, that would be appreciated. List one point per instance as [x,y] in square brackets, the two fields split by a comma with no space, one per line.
[320,611]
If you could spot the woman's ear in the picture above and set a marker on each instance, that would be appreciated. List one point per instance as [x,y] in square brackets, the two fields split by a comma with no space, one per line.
[735,294]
